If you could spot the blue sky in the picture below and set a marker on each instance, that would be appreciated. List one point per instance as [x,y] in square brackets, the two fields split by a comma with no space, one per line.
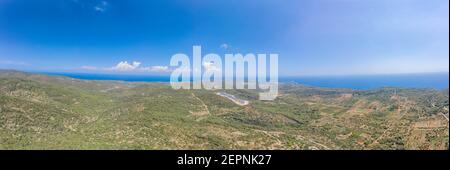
[312,37]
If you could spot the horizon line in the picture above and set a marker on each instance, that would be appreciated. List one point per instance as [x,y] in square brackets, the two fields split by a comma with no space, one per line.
[160,74]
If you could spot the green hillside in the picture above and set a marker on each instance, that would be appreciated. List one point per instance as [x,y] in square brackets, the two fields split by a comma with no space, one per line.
[50,112]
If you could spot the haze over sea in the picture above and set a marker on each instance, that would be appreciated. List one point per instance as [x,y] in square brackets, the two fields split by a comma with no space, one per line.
[358,82]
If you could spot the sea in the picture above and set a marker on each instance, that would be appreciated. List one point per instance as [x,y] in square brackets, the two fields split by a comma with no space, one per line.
[437,81]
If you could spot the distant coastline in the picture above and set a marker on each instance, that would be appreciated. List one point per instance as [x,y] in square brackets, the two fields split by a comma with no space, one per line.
[438,81]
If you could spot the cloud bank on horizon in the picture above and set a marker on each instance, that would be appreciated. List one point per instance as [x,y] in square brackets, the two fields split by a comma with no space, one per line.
[124,66]
[312,37]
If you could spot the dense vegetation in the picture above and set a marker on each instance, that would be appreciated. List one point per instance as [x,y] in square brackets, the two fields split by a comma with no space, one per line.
[46,112]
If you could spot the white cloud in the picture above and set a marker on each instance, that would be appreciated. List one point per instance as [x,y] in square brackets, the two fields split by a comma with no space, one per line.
[156,68]
[99,9]
[88,68]
[225,46]
[125,66]
[10,62]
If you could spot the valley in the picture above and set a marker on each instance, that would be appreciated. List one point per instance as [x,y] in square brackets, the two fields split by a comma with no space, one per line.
[55,112]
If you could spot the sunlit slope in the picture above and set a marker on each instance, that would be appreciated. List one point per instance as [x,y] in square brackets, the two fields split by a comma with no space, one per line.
[46,112]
